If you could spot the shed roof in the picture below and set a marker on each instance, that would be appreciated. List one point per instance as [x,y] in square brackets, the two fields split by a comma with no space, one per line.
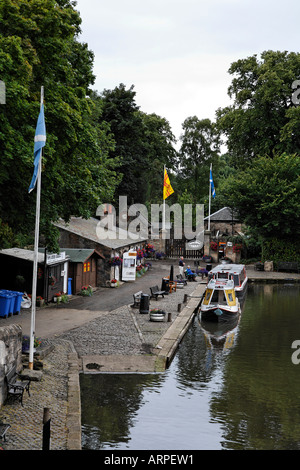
[80,255]
[87,228]
[21,253]
[28,255]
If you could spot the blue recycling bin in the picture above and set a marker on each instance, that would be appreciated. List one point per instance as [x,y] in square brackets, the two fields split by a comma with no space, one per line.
[11,300]
[12,303]
[69,286]
[5,302]
[17,302]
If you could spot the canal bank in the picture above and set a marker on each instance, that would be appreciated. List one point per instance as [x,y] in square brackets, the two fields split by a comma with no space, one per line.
[120,335]
[100,341]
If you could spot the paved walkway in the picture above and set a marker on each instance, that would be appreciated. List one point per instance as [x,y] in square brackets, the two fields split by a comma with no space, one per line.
[100,333]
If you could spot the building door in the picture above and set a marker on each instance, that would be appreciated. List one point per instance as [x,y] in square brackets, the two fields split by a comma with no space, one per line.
[89,273]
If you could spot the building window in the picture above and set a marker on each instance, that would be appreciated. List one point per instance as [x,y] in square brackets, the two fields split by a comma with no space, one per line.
[86,267]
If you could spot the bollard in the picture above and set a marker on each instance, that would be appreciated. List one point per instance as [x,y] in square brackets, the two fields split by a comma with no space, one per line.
[185,298]
[46,429]
[179,308]
[169,317]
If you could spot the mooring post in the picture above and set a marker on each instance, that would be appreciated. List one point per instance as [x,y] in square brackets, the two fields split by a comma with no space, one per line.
[46,429]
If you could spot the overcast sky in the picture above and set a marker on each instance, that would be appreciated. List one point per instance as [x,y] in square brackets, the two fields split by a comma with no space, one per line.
[177,53]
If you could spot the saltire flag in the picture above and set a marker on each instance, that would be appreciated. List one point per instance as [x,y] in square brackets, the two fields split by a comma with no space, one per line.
[39,143]
[168,190]
[213,191]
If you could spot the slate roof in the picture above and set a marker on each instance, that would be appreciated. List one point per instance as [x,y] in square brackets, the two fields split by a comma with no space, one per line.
[87,228]
[223,215]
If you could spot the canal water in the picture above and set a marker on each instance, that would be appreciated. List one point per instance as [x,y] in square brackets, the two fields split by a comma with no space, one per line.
[233,388]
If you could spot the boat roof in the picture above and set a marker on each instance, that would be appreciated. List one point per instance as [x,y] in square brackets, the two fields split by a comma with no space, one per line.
[220,284]
[228,268]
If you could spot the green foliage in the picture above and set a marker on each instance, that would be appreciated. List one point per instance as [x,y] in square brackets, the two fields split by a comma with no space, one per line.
[199,148]
[262,119]
[143,145]
[266,195]
[280,250]
[39,46]
[6,235]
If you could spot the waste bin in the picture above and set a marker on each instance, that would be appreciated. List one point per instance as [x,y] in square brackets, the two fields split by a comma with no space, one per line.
[5,301]
[69,286]
[12,302]
[17,302]
[165,285]
[144,303]
[208,267]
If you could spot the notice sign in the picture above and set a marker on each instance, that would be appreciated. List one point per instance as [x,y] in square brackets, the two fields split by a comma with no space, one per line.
[129,266]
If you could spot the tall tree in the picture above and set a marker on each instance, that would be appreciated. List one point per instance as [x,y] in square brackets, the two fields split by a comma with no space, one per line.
[266,195]
[121,112]
[199,148]
[263,119]
[160,142]
[39,46]
[144,143]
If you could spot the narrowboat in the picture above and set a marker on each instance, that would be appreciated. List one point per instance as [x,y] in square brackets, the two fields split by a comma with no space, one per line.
[219,302]
[236,272]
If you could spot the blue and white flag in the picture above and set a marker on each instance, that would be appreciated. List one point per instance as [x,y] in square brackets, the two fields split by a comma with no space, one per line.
[39,143]
[213,191]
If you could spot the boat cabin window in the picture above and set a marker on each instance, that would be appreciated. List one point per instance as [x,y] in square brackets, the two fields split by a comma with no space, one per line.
[222,275]
[236,280]
[219,297]
[207,295]
[215,296]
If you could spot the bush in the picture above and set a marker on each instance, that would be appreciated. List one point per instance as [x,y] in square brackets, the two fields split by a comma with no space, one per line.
[281,250]
[86,291]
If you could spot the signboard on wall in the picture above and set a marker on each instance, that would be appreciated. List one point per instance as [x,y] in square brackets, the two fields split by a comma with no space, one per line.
[129,266]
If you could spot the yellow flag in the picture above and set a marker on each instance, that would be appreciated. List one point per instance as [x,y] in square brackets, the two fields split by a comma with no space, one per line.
[168,190]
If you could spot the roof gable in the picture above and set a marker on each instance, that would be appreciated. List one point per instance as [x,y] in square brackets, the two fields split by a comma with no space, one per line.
[224,215]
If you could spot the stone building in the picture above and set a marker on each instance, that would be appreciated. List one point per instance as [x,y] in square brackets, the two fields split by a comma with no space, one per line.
[224,222]
[82,233]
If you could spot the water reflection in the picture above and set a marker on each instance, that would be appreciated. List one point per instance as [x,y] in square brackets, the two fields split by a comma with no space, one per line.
[260,388]
[232,389]
[111,403]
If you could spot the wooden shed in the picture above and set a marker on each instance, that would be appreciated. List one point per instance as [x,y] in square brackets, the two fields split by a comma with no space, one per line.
[17,271]
[82,267]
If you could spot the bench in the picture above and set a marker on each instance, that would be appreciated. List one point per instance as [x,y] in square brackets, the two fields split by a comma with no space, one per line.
[172,286]
[190,277]
[137,299]
[291,266]
[3,430]
[15,385]
[155,292]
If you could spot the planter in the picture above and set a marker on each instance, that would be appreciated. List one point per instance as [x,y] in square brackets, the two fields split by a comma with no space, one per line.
[113,284]
[56,299]
[40,303]
[157,315]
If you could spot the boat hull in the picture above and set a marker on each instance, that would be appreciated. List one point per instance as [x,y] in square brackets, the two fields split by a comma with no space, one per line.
[219,315]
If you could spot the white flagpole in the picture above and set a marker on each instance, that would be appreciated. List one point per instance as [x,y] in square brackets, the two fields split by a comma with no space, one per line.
[35,259]
[209,200]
